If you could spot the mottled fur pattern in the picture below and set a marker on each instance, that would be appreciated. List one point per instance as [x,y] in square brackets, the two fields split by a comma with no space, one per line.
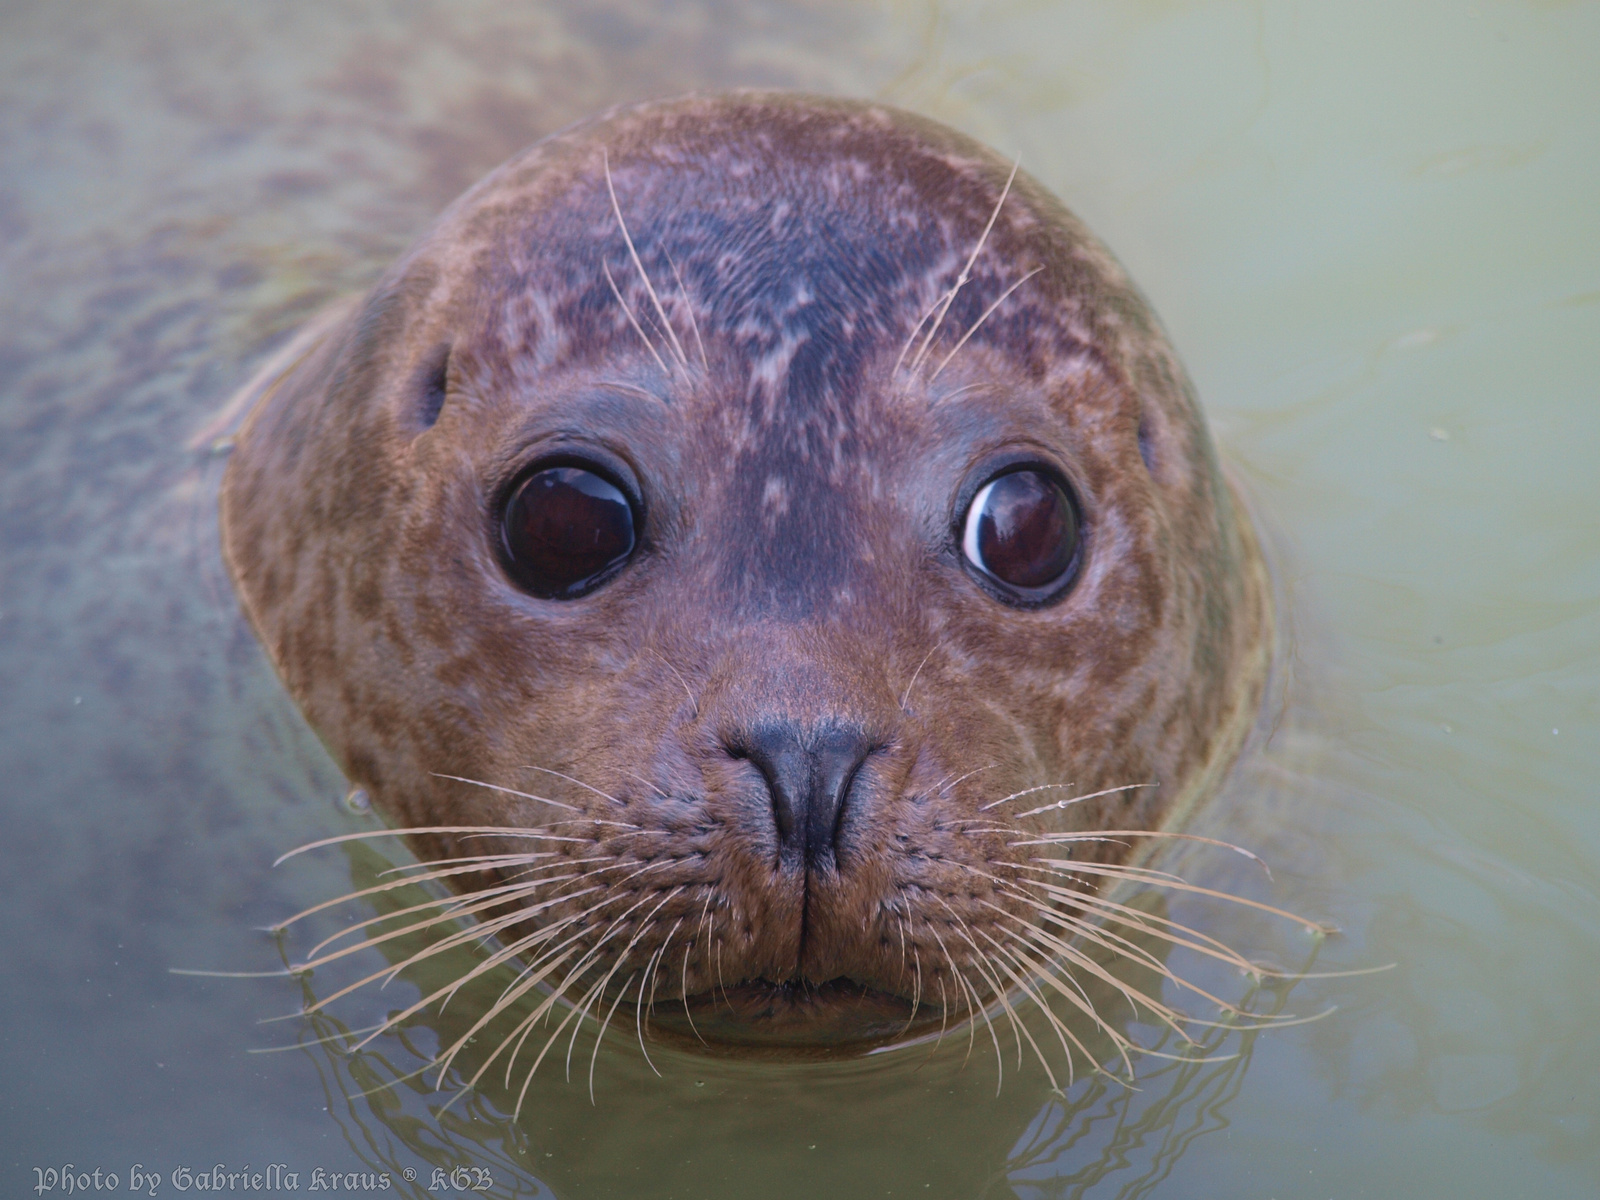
[782,376]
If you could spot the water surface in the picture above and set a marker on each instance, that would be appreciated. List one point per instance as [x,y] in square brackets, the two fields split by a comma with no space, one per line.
[1372,231]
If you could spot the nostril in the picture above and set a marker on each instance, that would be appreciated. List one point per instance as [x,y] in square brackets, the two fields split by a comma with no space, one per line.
[809,775]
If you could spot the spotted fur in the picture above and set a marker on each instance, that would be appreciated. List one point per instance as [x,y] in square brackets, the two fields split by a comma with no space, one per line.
[747,303]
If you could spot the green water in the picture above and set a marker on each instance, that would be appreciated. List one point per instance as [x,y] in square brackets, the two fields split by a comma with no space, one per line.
[1373,231]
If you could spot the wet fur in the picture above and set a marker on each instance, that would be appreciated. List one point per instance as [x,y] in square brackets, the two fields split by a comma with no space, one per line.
[748,303]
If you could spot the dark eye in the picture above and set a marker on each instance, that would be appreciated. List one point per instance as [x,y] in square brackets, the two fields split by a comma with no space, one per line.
[1022,532]
[564,529]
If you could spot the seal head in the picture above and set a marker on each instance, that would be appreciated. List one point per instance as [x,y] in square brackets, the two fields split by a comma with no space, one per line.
[782,530]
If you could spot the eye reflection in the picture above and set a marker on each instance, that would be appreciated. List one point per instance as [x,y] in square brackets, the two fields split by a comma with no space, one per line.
[1022,531]
[564,529]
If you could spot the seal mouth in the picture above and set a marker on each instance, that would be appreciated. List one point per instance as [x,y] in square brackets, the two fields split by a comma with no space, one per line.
[791,1018]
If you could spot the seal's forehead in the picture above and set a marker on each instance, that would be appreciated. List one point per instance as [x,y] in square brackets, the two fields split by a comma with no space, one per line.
[759,145]
[812,229]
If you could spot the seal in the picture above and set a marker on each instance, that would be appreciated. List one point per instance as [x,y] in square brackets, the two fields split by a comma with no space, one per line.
[765,555]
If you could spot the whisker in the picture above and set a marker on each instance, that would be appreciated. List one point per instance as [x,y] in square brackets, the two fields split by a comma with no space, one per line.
[483,931]
[1063,983]
[528,977]
[580,1011]
[639,266]
[1122,947]
[985,971]
[1116,944]
[598,990]
[520,988]
[444,945]
[1100,834]
[447,868]
[966,271]
[605,267]
[444,1060]
[912,336]
[722,983]
[463,905]
[494,787]
[452,907]
[651,786]
[1151,924]
[684,990]
[980,966]
[1027,989]
[916,993]
[644,928]
[417,873]
[906,695]
[944,789]
[987,313]
[652,972]
[694,705]
[1122,871]
[1043,787]
[1041,940]
[950,962]
[1092,933]
[683,293]
[1127,787]
[391,1083]
[445,992]
[580,783]
[339,1036]
[526,981]
[574,1014]
[473,830]
[901,922]
[594,1055]
[648,924]
[974,1006]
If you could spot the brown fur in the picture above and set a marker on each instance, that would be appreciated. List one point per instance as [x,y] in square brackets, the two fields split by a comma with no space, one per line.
[798,561]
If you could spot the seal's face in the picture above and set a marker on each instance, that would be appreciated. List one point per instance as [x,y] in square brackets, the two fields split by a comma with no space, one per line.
[772,551]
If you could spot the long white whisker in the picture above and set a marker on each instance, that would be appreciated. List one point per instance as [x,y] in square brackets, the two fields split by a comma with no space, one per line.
[987,313]
[912,336]
[1027,989]
[578,782]
[1127,787]
[1071,867]
[493,787]
[594,1055]
[512,831]
[906,695]
[1043,787]
[605,267]
[1107,834]
[974,1006]
[966,271]
[616,208]
[683,293]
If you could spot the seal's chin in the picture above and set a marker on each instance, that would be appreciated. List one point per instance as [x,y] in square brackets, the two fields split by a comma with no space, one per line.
[840,1018]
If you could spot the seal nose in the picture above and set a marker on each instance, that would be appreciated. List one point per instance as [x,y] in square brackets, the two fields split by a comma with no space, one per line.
[809,780]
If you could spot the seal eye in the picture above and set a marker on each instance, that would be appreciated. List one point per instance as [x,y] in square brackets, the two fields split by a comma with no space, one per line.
[1022,532]
[564,529]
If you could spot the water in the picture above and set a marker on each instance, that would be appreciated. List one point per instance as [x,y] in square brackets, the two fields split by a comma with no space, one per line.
[1372,232]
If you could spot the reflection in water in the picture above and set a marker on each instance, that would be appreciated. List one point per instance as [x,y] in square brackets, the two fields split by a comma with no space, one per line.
[1129,1139]
[616,1111]
[1362,224]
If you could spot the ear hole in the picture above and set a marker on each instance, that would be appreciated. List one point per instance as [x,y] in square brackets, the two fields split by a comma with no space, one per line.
[1147,442]
[432,381]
